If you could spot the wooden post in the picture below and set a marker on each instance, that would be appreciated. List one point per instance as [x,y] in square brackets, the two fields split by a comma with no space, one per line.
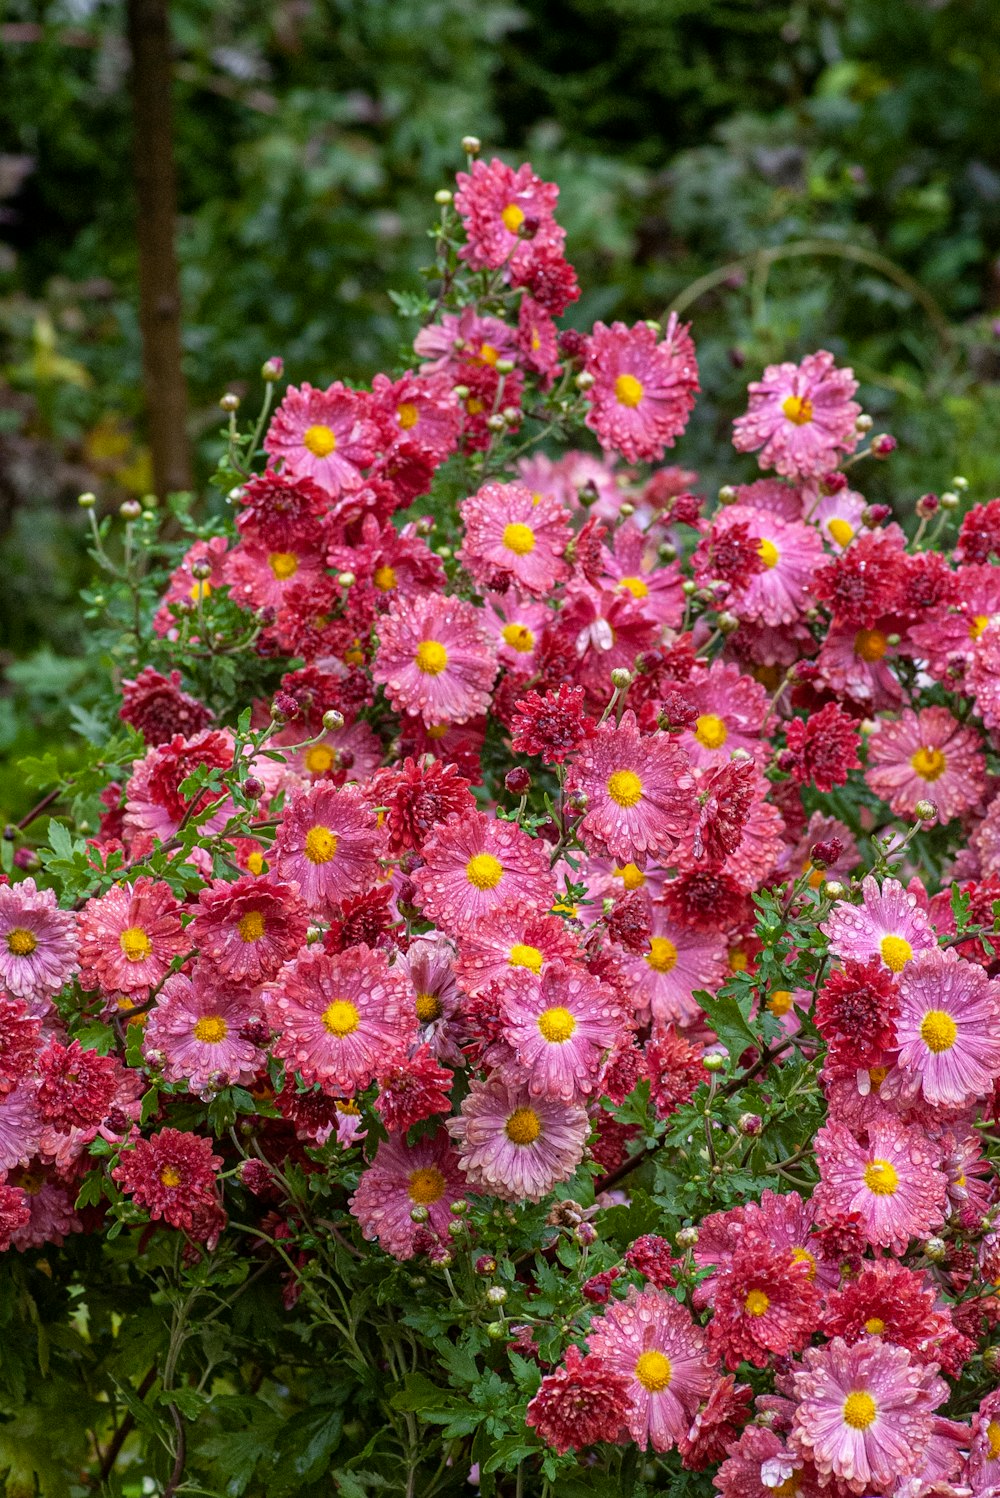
[159,282]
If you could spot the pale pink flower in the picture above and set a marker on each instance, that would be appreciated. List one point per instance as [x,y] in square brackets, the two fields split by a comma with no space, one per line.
[37,941]
[948,1028]
[560,1024]
[894,1182]
[791,553]
[195,1028]
[888,924]
[514,1145]
[400,1178]
[802,416]
[329,843]
[679,960]
[926,756]
[475,863]
[435,658]
[494,202]
[731,711]
[129,937]
[639,791]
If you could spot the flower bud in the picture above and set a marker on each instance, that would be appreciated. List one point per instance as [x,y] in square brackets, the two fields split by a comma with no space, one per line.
[518,781]
[272,369]
[496,1295]
[750,1124]
[584,380]
[485,1264]
[456,1228]
[864,423]
[201,571]
[443,196]
[419,1213]
[585,1234]
[727,495]
[626,510]
[27,858]
[883,446]
[253,787]
[927,505]
[949,501]
[727,624]
[87,501]
[505,366]
[689,586]
[462,392]
[936,1249]
[471,145]
[687,1237]
[925,810]
[346,579]
[496,1331]
[284,708]
[496,423]
[621,678]
[834,890]
[991,1359]
[960,483]
[714,1062]
[130,510]
[333,720]
[230,401]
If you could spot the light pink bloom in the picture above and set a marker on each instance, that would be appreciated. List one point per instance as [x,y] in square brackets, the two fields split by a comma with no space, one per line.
[50,1203]
[644,388]
[634,568]
[329,842]
[37,941]
[926,756]
[428,962]
[494,201]
[802,416]
[404,1176]
[894,1182]
[435,658]
[421,409]
[463,339]
[129,937]
[514,1145]
[791,553]
[561,1025]
[512,938]
[510,530]
[678,961]
[20,1126]
[731,709]
[516,624]
[836,516]
[856,663]
[948,1028]
[324,435]
[195,1028]
[475,863]
[888,924]
[639,791]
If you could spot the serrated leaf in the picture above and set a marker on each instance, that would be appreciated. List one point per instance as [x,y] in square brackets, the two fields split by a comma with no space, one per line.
[729,1023]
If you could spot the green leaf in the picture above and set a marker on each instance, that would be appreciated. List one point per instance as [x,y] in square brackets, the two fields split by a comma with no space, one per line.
[507,1453]
[729,1023]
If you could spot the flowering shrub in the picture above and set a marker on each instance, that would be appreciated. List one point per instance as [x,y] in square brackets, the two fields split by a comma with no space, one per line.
[508,997]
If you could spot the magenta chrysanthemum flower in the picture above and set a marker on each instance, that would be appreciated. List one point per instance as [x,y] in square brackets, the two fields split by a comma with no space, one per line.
[643,390]
[495,202]
[926,756]
[436,659]
[403,1176]
[731,711]
[420,409]
[249,928]
[323,435]
[37,941]
[329,843]
[894,1182]
[639,791]
[948,1028]
[561,1026]
[428,962]
[802,416]
[510,530]
[341,1018]
[20,1126]
[790,552]
[195,1029]
[653,1342]
[514,1145]
[172,1174]
[129,937]
[475,863]
[888,924]
[865,1412]
[513,938]
[679,960]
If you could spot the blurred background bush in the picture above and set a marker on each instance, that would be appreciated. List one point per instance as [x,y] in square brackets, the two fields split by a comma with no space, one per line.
[822,173]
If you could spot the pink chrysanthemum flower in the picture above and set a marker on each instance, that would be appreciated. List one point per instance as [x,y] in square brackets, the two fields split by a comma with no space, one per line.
[633,568]
[653,1342]
[510,530]
[475,863]
[259,578]
[561,1026]
[50,1211]
[323,435]
[639,791]
[759,1465]
[894,1182]
[494,202]
[512,938]
[436,659]
[731,710]
[428,962]
[402,1177]
[129,937]
[865,1413]
[329,843]
[249,928]
[790,552]
[766,1303]
[802,416]
[888,924]
[173,1175]
[20,1126]
[37,941]
[926,756]
[450,345]
[154,801]
[341,1018]
[194,1033]
[950,639]
[516,624]
[679,960]
[514,1145]
[422,409]
[948,1028]
[856,663]
[836,516]
[643,390]
[186,589]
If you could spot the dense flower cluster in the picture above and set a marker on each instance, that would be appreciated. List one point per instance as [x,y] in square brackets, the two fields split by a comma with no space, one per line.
[543,863]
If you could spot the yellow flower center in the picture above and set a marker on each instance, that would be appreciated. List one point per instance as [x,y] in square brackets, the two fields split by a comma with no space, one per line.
[631,877]
[787,1489]
[170,1177]
[654,1372]
[881,1178]
[431,657]
[521,955]
[21,943]
[768,553]
[520,539]
[320,441]
[870,644]
[384,579]
[930,764]
[488,355]
[318,758]
[780,1001]
[474,405]
[625,787]
[938,1031]
[523,1126]
[803,1256]
[428,1008]
[135,944]
[635,586]
[341,1018]
[628,391]
[407,415]
[993,1437]
[841,530]
[321,844]
[896,952]
[426,1185]
[199,590]
[556,1025]
[798,409]
[484,871]
[255,863]
[283,564]
[756,1303]
[738,961]
[977,625]
[710,731]
[513,217]
[519,638]
[251,926]
[211,1029]
[436,730]
[877,1075]
[875,1326]
[662,954]
[859,1410]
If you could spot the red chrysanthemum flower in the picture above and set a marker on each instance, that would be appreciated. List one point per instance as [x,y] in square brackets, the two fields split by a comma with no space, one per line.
[855,1013]
[766,1303]
[157,707]
[581,1403]
[724,801]
[652,1256]
[552,726]
[250,928]
[173,1175]
[729,552]
[548,277]
[418,796]
[363,921]
[497,204]
[597,1290]
[629,922]
[716,1425]
[979,537]
[822,748]
[412,1088]
[76,1087]
[888,1301]
[312,1113]
[706,900]
[674,1069]
[279,511]
[19,1033]
[862,584]
[14,1214]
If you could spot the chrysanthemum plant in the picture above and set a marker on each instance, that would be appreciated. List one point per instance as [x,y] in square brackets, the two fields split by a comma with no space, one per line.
[508,998]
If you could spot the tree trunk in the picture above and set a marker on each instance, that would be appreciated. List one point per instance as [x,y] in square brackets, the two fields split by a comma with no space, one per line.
[159,282]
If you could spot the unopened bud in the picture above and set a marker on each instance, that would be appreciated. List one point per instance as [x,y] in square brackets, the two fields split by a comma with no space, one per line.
[496,422]
[864,423]
[486,1264]
[960,483]
[689,586]
[462,392]
[935,1249]
[130,510]
[687,1237]
[201,571]
[927,505]
[253,787]
[949,501]
[87,501]
[585,1234]
[272,369]
[666,552]
[505,366]
[727,495]
[518,781]
[834,890]
[496,1331]
[926,811]
[584,380]
[991,1359]
[883,446]
[496,1295]
[750,1124]
[471,145]
[456,1229]
[443,196]
[419,1214]
[626,510]
[346,579]
[714,1062]
[727,624]
[621,678]
[230,401]
[333,720]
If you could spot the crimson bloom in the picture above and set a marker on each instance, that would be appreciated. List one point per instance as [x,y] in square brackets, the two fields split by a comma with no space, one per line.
[250,928]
